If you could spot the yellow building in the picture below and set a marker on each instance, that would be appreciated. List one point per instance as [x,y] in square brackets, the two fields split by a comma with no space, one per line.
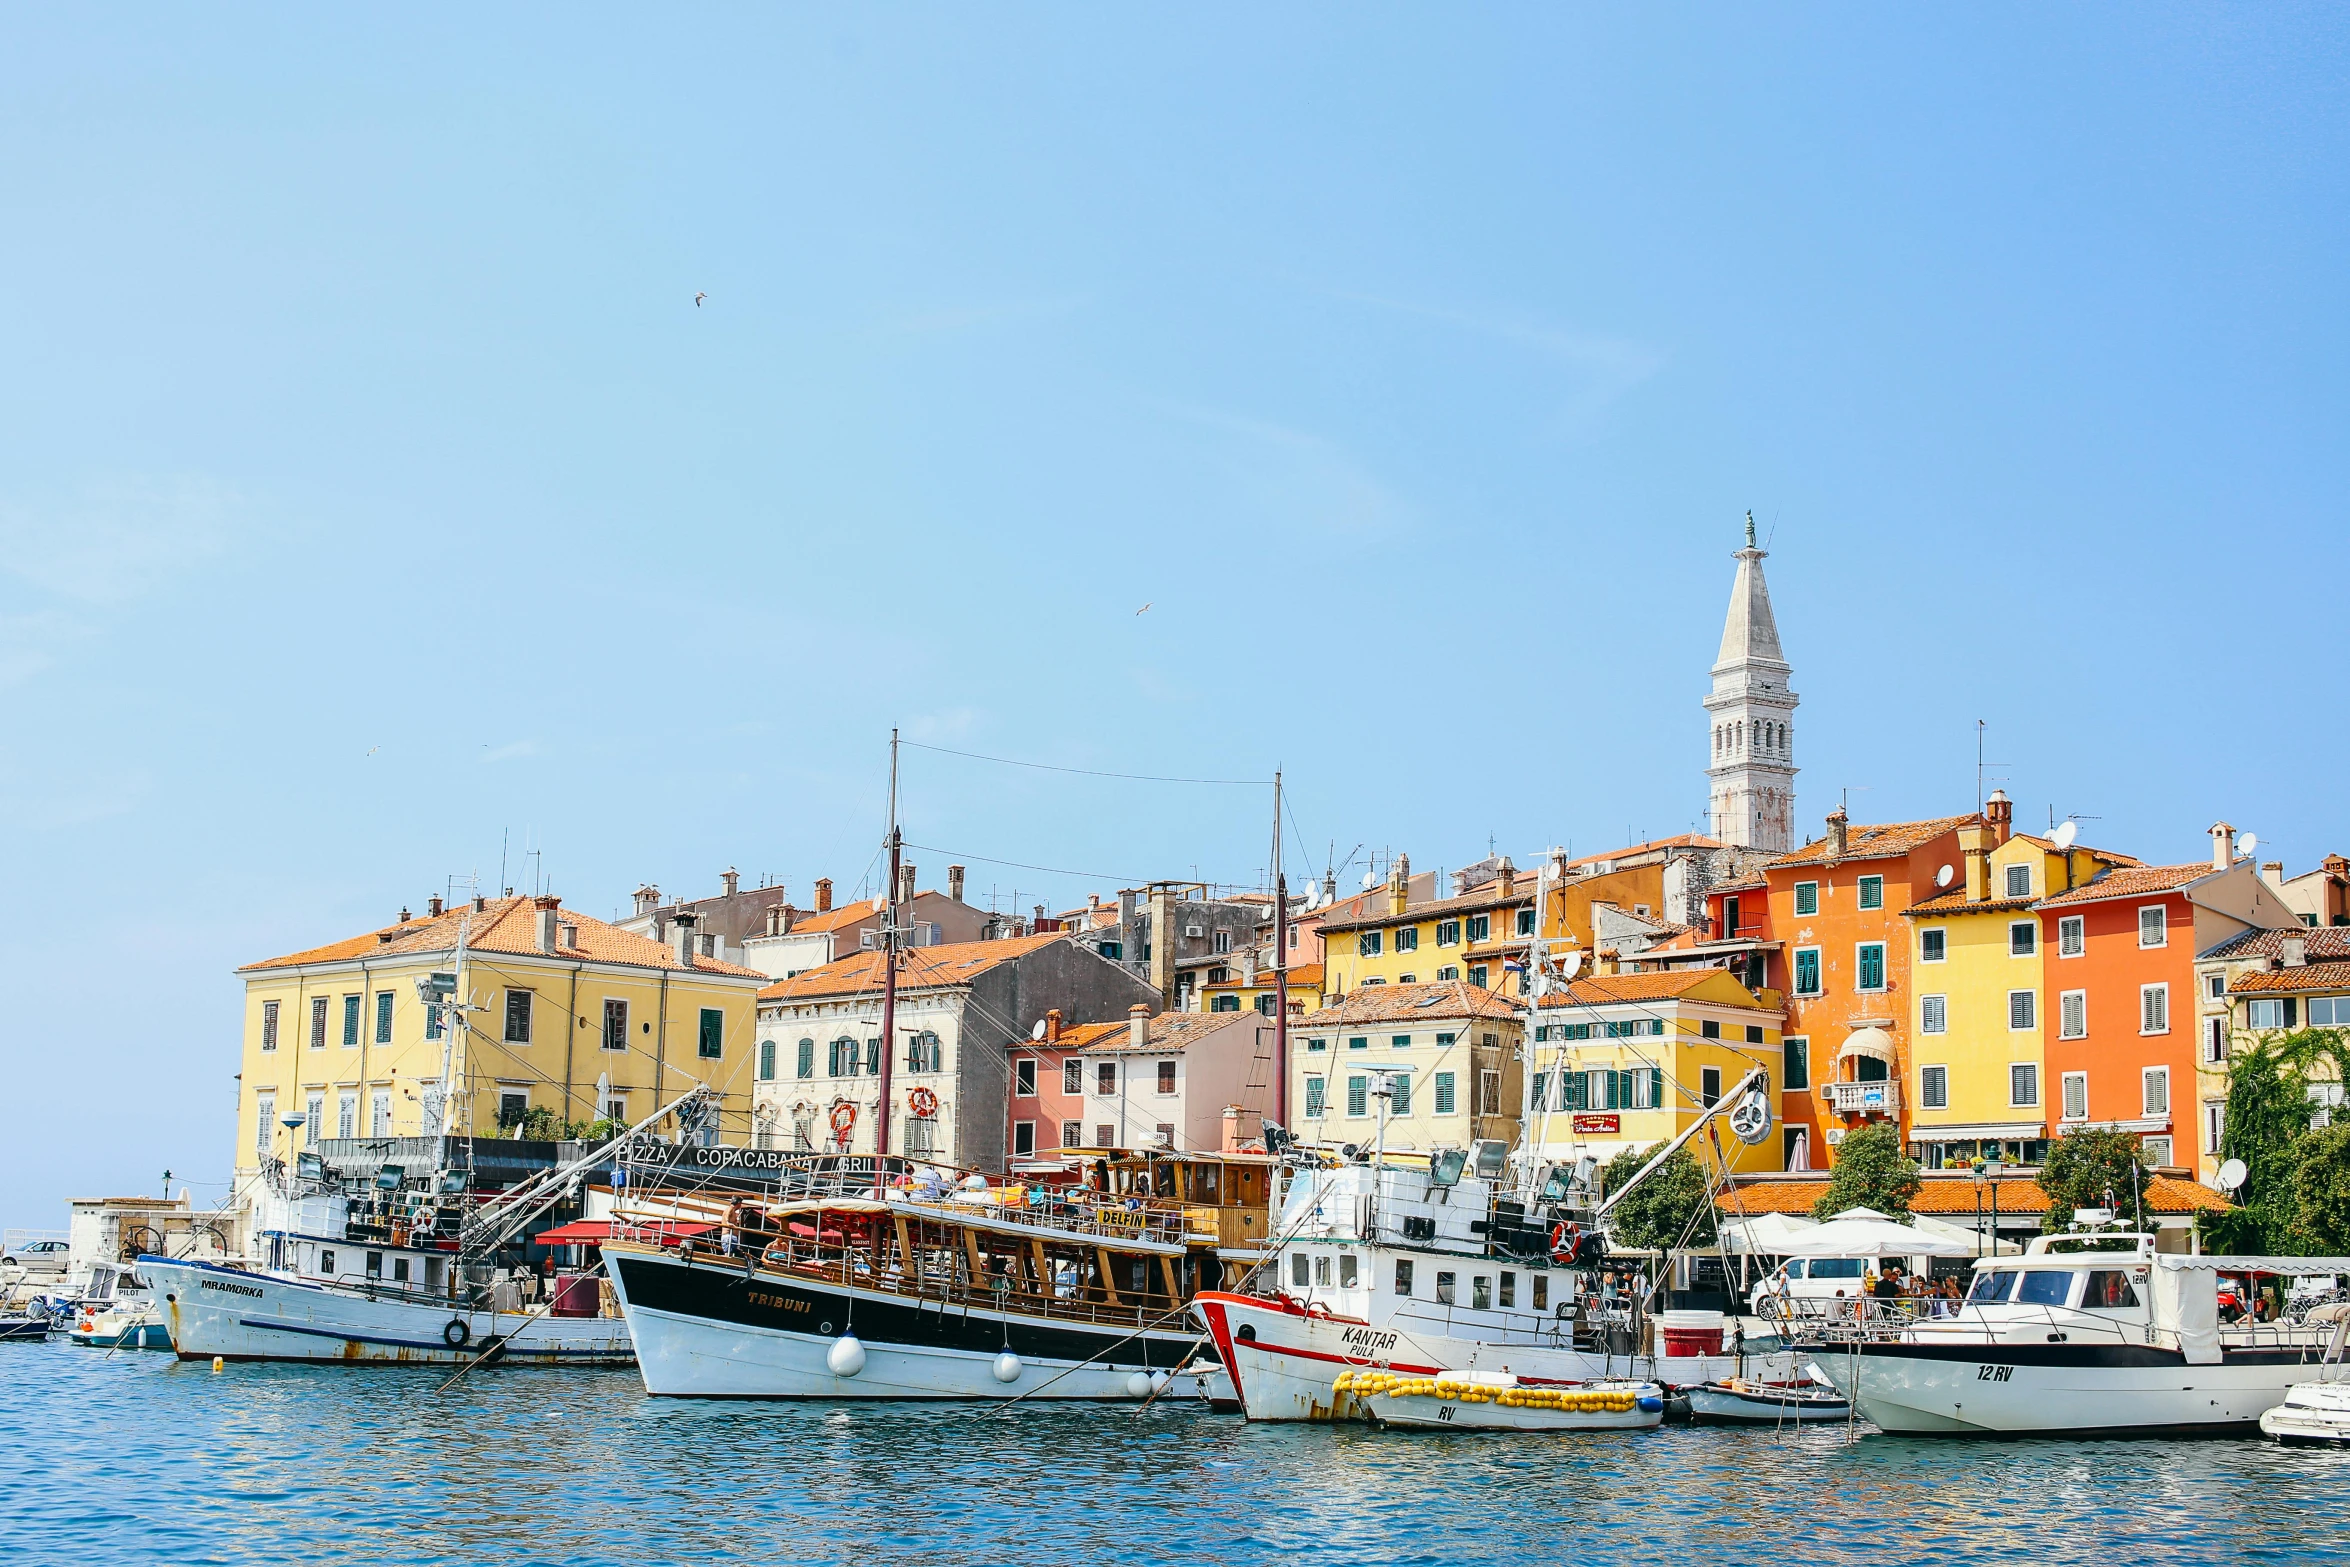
[1246,992]
[1388,940]
[1630,1060]
[571,1021]
[1448,1055]
[1979,1009]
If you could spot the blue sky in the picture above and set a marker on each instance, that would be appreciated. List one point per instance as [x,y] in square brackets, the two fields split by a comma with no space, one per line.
[374,494]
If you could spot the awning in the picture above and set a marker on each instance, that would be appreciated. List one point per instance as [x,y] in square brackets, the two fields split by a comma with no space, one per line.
[2002,1131]
[1872,1042]
[594,1232]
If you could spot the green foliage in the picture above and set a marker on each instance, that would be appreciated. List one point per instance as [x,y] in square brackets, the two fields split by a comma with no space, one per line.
[1673,1207]
[539,1124]
[2092,1169]
[2267,1126]
[2319,1222]
[1871,1172]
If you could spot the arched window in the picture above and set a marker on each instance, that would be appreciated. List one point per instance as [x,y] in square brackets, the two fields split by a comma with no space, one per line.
[807,1058]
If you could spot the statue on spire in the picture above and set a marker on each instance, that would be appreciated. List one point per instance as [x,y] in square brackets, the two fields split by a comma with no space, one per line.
[1750,528]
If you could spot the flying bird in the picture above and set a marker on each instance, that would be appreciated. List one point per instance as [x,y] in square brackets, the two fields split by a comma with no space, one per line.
[1144,609]
[698,298]
[371,750]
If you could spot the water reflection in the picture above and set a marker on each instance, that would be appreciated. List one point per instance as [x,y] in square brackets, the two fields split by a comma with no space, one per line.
[138,1456]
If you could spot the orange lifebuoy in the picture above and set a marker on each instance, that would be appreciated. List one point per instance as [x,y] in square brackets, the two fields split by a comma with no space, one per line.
[924,1101]
[1562,1242]
[844,1116]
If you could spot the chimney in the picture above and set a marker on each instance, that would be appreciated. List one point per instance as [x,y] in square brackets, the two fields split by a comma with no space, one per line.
[2223,846]
[432,906]
[732,879]
[648,898]
[1244,1129]
[1399,884]
[824,895]
[2293,951]
[1509,877]
[1973,851]
[1248,966]
[2273,872]
[1460,889]
[405,916]
[1999,813]
[549,936]
[1052,1025]
[1329,887]
[1837,823]
[955,882]
[906,883]
[1038,922]
[1138,1026]
[1093,900]
[681,939]
[481,905]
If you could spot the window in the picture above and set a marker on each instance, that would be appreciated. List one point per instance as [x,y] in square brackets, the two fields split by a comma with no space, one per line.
[1477,976]
[2214,1122]
[1526,921]
[1406,979]
[2072,1015]
[1445,1104]
[1729,917]
[1869,966]
[1024,1077]
[379,1113]
[2154,1091]
[1317,1044]
[1807,971]
[1115,951]
[1489,1093]
[1105,1077]
[1072,1134]
[1407,938]
[1367,944]
[2155,1150]
[1223,1003]
[2215,1039]
[2022,1010]
[318,1023]
[711,1041]
[1359,1042]
[1934,1088]
[1072,1077]
[1448,933]
[1933,1014]
[1223,941]
[1538,1092]
[1358,1095]
[1709,1029]
[1709,1086]
[1349,1271]
[1796,1073]
[383,1017]
[1754,1033]
[1933,945]
[1104,1135]
[1401,1084]
[513,1105]
[919,1128]
[924,1053]
[766,1060]
[2072,936]
[1480,1292]
[2271,1013]
[615,1025]
[1166,1077]
[807,1060]
[2215,985]
[1300,1269]
[2019,881]
[351,1022]
[2109,1290]
[2023,1083]
[1403,1275]
[1872,892]
[268,1025]
[1446,1284]
[314,1120]
[265,1112]
[1315,1102]
[347,1113]
[1400,1041]
[1807,897]
[840,1058]
[2076,1096]
[1449,971]
[2023,938]
[2153,927]
[518,1017]
[2154,1009]
[1480,928]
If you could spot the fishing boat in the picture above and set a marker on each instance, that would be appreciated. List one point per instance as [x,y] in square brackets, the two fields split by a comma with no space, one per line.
[1487,1401]
[1750,1401]
[931,1283]
[2088,1333]
[118,1311]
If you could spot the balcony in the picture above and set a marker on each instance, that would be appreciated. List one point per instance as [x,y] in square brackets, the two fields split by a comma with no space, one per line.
[1882,1098]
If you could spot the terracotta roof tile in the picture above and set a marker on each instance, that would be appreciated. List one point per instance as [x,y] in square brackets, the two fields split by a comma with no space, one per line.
[1401,1003]
[1597,990]
[2130,881]
[1685,840]
[2317,942]
[1300,974]
[1955,901]
[836,917]
[1169,1032]
[924,968]
[2308,976]
[1487,897]
[1877,842]
[504,926]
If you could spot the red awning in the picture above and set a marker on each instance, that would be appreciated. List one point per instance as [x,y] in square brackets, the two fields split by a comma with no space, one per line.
[594,1232]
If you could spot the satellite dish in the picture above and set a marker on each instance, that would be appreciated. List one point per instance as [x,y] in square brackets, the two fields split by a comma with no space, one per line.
[1038,1031]
[2066,832]
[2246,842]
[1946,875]
[1370,880]
[1571,965]
[2231,1175]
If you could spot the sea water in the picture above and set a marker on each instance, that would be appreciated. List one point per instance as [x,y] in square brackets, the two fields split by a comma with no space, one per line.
[140,1458]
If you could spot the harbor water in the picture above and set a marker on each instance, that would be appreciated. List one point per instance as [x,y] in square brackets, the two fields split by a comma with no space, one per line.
[137,1457]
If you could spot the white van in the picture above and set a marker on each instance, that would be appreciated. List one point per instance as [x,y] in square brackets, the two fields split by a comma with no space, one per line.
[1810,1278]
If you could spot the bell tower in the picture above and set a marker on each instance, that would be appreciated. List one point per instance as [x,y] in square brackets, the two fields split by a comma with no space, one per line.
[1750,729]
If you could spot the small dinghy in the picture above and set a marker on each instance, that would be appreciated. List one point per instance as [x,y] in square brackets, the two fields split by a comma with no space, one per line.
[23,1330]
[1741,1401]
[1496,1401]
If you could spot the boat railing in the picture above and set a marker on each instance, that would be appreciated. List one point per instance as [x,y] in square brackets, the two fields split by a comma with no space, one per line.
[957,1290]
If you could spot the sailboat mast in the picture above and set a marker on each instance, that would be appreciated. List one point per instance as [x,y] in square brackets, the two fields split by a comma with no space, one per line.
[889,971]
[1280,970]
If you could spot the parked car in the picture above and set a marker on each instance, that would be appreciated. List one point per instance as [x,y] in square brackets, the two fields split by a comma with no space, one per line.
[1809,1278]
[42,1261]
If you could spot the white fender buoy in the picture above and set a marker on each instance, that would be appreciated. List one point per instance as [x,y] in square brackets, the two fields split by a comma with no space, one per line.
[1139,1385]
[1159,1381]
[846,1357]
[1007,1367]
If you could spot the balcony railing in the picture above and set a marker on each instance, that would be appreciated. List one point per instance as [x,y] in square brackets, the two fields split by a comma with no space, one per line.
[1881,1098]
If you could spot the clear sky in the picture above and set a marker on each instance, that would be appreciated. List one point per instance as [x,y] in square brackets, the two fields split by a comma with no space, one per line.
[375,495]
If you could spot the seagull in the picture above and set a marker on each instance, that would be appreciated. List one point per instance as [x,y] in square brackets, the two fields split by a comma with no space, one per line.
[371,750]
[698,298]
[1144,609]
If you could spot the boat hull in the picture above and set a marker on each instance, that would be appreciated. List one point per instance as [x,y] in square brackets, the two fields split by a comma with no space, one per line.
[23,1330]
[2058,1390]
[1715,1405]
[117,1332]
[2314,1414]
[1285,1364]
[1423,1413]
[215,1312]
[708,1330]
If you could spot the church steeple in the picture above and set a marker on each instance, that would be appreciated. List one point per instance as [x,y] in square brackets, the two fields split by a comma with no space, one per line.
[1750,738]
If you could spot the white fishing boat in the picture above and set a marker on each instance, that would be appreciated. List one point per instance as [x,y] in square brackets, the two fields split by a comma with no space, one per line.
[2086,1334]
[1485,1401]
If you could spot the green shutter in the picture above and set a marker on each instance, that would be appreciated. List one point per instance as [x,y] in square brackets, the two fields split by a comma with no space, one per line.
[713,1033]
[1656,1086]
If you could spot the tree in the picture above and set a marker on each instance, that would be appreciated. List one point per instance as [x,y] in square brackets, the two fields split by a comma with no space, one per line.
[2266,1124]
[2092,1169]
[1871,1172]
[1673,1207]
[2318,1223]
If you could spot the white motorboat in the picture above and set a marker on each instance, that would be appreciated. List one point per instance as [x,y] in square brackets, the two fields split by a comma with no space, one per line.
[2086,1334]
[1749,1401]
[2317,1414]
[119,1312]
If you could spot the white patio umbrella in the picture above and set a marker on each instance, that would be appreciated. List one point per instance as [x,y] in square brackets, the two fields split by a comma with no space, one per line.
[1960,1233]
[1766,1234]
[1864,1232]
